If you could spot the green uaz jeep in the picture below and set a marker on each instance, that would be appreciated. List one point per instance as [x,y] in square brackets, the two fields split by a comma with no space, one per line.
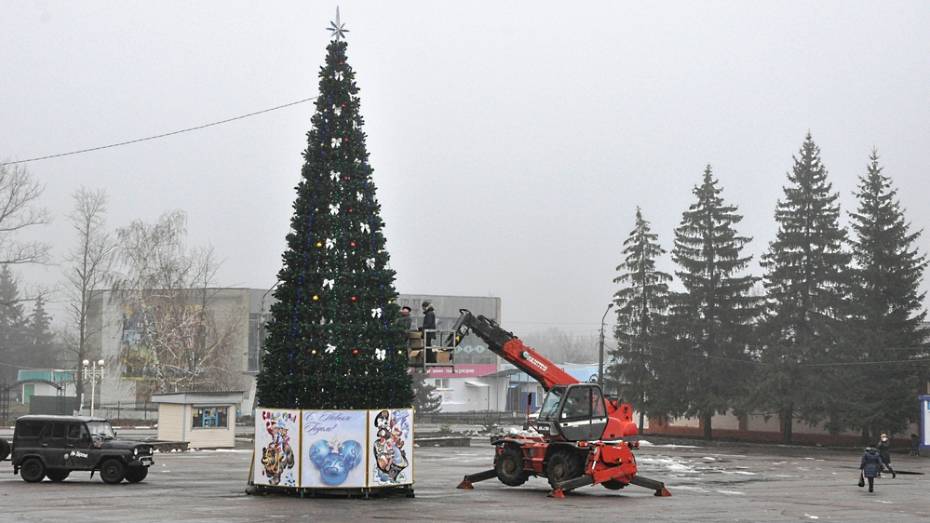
[53,446]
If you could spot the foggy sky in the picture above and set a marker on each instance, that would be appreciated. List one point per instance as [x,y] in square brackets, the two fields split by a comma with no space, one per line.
[510,141]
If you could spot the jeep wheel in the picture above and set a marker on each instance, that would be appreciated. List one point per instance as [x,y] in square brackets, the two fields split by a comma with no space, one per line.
[4,449]
[57,474]
[136,474]
[112,471]
[32,470]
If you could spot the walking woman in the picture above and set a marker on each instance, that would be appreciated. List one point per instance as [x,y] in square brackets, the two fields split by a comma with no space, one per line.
[870,467]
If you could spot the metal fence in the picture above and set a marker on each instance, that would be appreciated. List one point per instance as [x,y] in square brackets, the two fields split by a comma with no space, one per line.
[142,411]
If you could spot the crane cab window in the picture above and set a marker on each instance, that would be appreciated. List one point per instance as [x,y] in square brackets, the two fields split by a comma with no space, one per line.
[577,404]
[598,410]
[583,402]
[550,407]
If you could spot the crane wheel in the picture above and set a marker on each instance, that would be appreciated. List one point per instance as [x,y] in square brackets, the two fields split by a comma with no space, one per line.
[563,465]
[509,467]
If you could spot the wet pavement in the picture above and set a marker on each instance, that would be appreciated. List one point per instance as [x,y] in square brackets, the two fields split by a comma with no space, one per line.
[725,482]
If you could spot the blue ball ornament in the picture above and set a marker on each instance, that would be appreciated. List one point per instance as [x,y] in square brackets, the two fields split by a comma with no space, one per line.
[334,470]
[319,451]
[351,452]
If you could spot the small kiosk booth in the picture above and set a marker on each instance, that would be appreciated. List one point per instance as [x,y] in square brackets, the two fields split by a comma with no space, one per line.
[203,419]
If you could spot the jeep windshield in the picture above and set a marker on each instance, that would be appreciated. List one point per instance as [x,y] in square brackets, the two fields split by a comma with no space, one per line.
[100,429]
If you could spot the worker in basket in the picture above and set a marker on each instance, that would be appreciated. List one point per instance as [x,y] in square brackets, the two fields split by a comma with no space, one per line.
[429,324]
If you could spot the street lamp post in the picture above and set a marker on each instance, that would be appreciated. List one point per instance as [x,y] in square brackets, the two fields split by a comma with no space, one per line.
[93,370]
[600,352]
[261,325]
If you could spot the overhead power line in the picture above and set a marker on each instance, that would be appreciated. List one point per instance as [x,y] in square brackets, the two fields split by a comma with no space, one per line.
[811,365]
[162,135]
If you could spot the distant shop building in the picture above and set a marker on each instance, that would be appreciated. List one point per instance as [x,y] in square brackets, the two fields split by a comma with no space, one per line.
[45,383]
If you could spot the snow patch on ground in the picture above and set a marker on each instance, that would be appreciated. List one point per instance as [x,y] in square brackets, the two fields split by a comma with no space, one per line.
[811,516]
[670,464]
[689,487]
[731,492]
[645,443]
[530,433]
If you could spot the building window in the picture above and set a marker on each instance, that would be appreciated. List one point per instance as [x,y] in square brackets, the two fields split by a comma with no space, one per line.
[210,418]
[441,383]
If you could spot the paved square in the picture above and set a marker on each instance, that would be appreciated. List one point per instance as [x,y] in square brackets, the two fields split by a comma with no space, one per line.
[726,482]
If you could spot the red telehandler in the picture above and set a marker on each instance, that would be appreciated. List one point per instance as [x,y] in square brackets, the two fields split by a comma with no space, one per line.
[582,438]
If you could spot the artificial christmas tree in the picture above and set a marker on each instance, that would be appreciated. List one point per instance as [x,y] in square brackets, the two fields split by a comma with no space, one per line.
[332,340]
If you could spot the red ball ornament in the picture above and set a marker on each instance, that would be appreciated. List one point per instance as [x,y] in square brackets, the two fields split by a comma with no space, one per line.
[355,352]
[354,299]
[350,209]
[352,244]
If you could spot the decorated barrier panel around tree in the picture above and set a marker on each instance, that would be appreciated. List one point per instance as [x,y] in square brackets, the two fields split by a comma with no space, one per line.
[333,449]
[391,447]
[276,460]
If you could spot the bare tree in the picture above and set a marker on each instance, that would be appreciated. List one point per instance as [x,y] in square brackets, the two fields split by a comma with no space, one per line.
[89,265]
[19,193]
[176,339]
[563,347]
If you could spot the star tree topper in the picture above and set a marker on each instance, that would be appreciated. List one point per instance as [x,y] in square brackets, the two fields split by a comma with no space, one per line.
[337,27]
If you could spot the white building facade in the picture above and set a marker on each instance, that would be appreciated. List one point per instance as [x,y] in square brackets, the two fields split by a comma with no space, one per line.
[239,314]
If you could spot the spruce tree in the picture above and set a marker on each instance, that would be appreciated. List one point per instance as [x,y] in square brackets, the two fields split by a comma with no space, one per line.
[806,284]
[425,398]
[12,327]
[887,304]
[40,341]
[711,319]
[641,306]
[332,341]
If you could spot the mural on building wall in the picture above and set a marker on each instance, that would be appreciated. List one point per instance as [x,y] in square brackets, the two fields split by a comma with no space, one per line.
[392,436]
[176,345]
[277,443]
[333,443]
[136,356]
